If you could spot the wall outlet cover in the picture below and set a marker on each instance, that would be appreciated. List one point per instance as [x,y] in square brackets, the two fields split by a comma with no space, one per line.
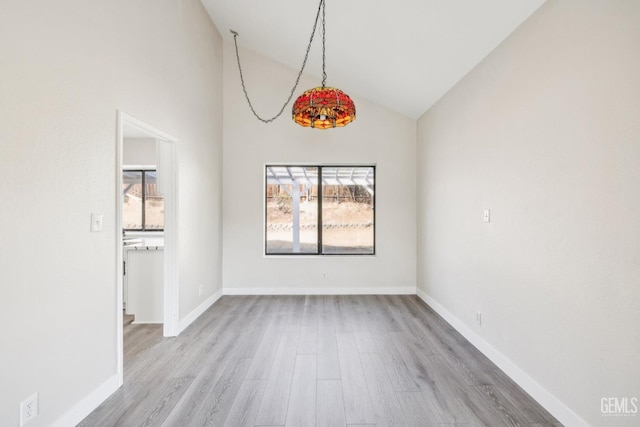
[28,409]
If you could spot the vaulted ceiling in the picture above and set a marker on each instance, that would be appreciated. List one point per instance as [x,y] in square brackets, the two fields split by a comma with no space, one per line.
[402,54]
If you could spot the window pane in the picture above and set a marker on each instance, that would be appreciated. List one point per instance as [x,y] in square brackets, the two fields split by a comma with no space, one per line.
[154,203]
[132,209]
[291,210]
[347,210]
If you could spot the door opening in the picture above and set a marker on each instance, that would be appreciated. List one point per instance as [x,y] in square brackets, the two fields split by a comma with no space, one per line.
[158,154]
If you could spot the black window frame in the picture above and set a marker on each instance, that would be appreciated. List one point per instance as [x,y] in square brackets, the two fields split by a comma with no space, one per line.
[144,228]
[319,246]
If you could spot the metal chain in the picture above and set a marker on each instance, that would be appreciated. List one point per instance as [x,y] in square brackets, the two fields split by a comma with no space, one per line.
[324,73]
[304,63]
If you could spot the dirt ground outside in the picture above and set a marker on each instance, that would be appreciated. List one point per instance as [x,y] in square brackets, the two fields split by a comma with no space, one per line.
[347,227]
[154,213]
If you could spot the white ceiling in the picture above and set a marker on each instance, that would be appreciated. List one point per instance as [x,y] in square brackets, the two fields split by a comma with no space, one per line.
[402,54]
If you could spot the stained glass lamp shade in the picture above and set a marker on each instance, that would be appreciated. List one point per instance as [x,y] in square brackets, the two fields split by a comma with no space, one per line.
[324,108]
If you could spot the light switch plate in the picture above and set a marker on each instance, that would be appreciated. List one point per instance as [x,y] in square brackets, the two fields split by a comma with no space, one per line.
[96,222]
[487,215]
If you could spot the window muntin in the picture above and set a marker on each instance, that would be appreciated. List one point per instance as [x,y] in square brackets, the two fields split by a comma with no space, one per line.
[343,205]
[143,207]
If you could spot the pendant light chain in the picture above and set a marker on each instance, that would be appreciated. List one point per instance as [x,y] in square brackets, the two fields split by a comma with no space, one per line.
[324,73]
[304,63]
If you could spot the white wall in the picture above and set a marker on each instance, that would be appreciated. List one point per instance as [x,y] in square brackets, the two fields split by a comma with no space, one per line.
[377,136]
[545,133]
[65,68]
[139,152]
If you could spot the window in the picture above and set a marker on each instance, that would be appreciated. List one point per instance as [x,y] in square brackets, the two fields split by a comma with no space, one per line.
[320,210]
[143,208]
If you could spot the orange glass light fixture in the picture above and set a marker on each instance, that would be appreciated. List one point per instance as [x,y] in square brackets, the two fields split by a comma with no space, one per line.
[321,107]
[324,108]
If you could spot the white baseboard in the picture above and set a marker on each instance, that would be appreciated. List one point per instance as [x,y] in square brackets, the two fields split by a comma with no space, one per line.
[552,404]
[191,317]
[84,407]
[407,290]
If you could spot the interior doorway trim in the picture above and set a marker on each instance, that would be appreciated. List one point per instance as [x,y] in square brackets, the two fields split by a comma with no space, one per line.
[167,164]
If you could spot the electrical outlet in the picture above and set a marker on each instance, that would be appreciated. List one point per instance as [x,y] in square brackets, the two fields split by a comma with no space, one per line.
[28,409]
[479,318]
[324,275]
[487,215]
[200,290]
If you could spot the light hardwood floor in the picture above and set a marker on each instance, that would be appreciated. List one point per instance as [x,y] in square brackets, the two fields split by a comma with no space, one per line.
[313,361]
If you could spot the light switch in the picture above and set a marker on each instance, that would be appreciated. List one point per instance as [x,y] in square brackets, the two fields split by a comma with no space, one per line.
[96,222]
[487,215]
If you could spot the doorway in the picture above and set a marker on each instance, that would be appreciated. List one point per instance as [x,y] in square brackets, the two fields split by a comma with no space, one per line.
[167,185]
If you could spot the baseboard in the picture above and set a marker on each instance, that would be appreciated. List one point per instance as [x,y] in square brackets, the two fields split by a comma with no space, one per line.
[85,406]
[552,404]
[191,317]
[406,290]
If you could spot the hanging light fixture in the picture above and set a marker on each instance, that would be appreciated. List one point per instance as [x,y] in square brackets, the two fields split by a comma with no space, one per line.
[324,107]
[321,107]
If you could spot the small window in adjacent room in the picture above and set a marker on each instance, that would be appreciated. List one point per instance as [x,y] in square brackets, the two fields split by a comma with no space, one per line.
[143,208]
[320,210]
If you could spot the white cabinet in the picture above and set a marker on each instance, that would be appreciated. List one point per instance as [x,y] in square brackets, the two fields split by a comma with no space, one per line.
[144,283]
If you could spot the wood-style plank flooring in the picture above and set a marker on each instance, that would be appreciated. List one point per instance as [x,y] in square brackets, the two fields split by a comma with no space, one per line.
[313,361]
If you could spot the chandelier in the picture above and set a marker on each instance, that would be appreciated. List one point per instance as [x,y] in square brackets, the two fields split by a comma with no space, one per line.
[321,107]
